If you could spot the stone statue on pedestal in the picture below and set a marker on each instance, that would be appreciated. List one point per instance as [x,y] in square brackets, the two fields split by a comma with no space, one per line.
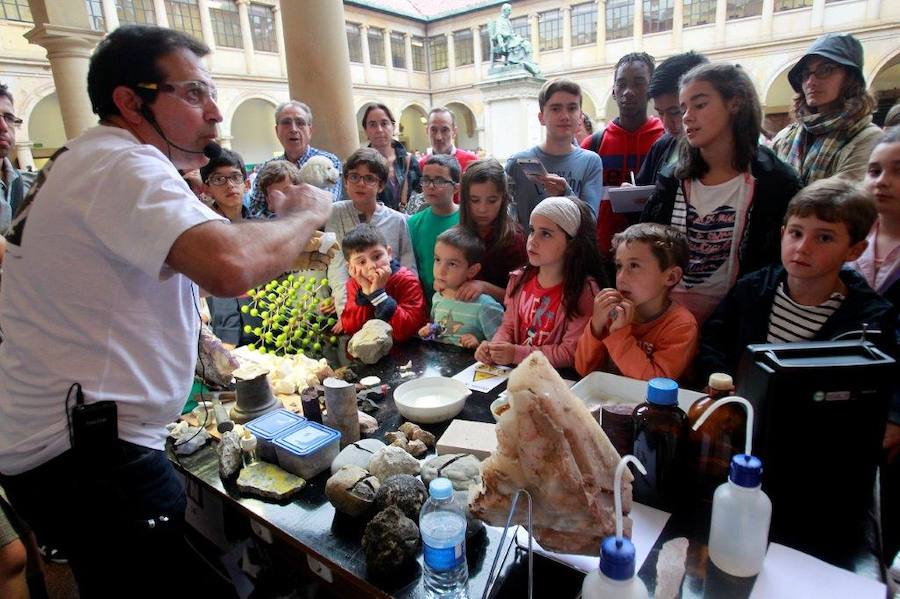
[508,48]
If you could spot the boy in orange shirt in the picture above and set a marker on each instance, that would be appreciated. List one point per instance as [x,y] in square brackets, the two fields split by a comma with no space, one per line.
[635,329]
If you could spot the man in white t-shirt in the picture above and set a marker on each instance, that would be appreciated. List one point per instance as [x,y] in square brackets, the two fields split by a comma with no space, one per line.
[100,304]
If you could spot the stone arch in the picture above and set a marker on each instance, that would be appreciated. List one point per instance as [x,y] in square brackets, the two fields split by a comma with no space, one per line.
[253,128]
[777,99]
[411,127]
[466,124]
[884,84]
[43,125]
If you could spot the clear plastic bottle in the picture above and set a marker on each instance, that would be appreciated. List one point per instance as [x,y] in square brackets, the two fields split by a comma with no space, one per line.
[741,513]
[659,436]
[443,527]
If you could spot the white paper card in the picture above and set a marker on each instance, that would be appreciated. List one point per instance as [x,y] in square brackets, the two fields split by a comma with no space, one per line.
[787,572]
[481,377]
[648,523]
[629,199]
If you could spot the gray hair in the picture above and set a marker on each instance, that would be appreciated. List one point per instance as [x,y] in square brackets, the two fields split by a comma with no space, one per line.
[443,109]
[301,105]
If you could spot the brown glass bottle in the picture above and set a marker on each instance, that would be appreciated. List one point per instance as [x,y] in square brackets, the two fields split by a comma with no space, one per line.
[711,448]
[659,438]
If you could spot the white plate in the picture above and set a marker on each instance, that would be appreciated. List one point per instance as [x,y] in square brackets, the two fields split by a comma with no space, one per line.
[431,399]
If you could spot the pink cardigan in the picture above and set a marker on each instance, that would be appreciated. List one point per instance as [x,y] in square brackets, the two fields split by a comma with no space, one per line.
[560,346]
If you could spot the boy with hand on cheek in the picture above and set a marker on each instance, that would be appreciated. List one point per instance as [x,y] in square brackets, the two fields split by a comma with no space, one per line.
[379,287]
[457,259]
[636,329]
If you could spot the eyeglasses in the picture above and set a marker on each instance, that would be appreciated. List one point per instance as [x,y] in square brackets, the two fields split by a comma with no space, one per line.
[368,180]
[823,71]
[195,93]
[439,182]
[219,179]
[11,119]
[287,122]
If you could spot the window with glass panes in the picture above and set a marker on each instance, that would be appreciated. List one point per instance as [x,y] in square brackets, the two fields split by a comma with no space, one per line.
[791,4]
[95,12]
[738,9]
[437,50]
[619,19]
[520,26]
[226,24]
[584,24]
[463,47]
[485,43]
[376,46]
[184,15]
[398,50]
[262,28]
[138,12]
[354,42]
[699,12]
[657,15]
[418,53]
[15,10]
[550,30]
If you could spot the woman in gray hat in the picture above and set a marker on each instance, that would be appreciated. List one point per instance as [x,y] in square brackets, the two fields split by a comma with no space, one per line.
[834,133]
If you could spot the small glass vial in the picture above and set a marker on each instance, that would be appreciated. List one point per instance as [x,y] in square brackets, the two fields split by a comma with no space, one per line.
[248,448]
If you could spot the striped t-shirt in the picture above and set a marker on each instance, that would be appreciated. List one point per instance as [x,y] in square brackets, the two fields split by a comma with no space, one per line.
[790,322]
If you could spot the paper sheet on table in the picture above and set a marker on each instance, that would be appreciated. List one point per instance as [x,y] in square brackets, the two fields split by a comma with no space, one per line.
[481,377]
[648,523]
[787,572]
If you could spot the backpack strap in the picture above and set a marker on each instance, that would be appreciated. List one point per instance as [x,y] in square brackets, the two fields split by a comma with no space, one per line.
[597,141]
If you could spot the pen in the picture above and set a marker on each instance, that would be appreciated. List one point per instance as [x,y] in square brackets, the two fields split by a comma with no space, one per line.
[632,177]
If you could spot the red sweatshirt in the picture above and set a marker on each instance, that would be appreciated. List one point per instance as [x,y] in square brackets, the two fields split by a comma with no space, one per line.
[400,304]
[622,153]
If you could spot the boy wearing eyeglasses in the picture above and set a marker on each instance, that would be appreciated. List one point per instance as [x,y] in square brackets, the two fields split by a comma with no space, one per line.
[365,175]
[225,181]
[440,181]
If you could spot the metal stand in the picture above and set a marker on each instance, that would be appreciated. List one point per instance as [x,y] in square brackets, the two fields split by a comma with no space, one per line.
[488,588]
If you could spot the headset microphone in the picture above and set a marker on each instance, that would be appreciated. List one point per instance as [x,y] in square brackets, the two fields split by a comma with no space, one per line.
[210,150]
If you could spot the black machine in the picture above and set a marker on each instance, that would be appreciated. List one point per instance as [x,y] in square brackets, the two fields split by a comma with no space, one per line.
[821,411]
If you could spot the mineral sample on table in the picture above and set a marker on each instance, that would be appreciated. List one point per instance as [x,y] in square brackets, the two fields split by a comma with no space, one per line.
[549,444]
[229,450]
[416,448]
[393,460]
[352,490]
[372,342]
[390,540]
[187,439]
[463,470]
[357,454]
[670,567]
[414,432]
[367,424]
[403,491]
[268,481]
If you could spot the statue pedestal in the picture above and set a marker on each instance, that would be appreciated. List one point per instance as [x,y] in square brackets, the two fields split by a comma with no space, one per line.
[511,110]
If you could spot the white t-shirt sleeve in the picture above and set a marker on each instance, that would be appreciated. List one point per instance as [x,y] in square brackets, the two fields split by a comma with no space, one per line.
[147,205]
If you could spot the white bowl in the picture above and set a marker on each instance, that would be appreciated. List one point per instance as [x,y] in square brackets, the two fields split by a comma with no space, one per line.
[431,399]
[499,406]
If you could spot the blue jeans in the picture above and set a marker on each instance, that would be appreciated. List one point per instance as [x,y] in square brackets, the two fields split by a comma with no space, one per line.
[120,518]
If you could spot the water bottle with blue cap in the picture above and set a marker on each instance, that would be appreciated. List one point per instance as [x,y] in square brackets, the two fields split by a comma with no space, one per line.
[443,527]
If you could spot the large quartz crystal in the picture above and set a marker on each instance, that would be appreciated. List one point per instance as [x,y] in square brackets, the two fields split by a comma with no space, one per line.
[549,444]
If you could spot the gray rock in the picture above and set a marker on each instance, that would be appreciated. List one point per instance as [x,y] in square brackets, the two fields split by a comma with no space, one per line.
[352,490]
[390,540]
[229,450]
[393,460]
[463,470]
[403,491]
[357,454]
[372,342]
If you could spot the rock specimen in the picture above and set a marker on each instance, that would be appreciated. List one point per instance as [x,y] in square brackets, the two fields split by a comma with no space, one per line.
[670,566]
[549,444]
[463,470]
[340,409]
[403,491]
[372,342]
[416,448]
[393,460]
[389,541]
[367,424]
[269,481]
[229,450]
[187,439]
[414,432]
[357,454]
[352,490]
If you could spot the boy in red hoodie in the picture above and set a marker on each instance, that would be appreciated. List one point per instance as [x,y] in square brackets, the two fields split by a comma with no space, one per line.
[624,143]
[379,287]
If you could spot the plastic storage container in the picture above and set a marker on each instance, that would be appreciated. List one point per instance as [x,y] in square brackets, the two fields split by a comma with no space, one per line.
[267,428]
[307,449]
[443,526]
[659,436]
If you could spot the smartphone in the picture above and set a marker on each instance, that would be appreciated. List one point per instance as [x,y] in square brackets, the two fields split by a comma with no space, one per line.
[532,167]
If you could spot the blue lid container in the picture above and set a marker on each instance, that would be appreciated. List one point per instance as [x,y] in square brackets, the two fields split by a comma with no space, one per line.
[270,425]
[307,438]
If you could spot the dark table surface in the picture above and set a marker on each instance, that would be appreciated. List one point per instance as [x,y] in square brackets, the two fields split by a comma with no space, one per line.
[310,524]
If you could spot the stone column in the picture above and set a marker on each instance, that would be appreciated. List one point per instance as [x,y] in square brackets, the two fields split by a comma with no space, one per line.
[388,56]
[637,32]
[364,41]
[451,57]
[407,46]
[873,9]
[69,50]
[677,24]
[206,29]
[476,52]
[246,34]
[567,35]
[24,155]
[534,30]
[319,71]
[721,14]
[601,31]
[765,23]
[279,38]
[159,7]
[817,16]
[110,16]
